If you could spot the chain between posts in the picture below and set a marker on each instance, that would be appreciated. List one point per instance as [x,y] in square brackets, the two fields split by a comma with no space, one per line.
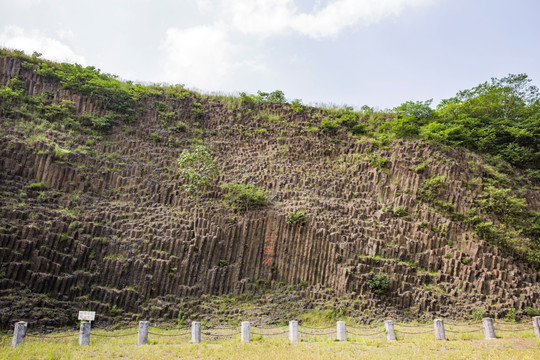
[371,334]
[464,332]
[51,337]
[414,333]
[160,334]
[270,334]
[316,334]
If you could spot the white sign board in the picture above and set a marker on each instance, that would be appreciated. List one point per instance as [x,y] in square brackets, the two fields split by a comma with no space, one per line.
[87,315]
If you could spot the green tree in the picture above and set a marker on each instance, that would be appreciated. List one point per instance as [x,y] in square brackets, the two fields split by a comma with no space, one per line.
[198,170]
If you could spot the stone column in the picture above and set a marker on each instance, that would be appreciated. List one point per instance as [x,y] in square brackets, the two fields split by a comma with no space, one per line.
[341,331]
[293,331]
[195,332]
[439,329]
[489,331]
[84,333]
[389,327]
[143,332]
[536,326]
[246,331]
[19,333]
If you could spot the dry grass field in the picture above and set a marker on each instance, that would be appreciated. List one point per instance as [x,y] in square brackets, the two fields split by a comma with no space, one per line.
[413,343]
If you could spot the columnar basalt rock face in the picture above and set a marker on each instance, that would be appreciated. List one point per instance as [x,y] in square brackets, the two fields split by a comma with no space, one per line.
[114,229]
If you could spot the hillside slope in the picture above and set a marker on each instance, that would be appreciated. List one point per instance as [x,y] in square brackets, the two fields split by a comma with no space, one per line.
[94,214]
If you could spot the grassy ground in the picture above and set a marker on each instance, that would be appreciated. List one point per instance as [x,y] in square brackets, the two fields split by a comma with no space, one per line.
[107,344]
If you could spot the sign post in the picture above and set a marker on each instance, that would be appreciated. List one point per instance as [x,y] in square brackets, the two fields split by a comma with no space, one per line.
[86,318]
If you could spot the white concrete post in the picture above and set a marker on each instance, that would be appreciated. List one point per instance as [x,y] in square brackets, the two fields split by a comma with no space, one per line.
[84,333]
[19,333]
[439,329]
[293,331]
[390,333]
[536,326]
[489,331]
[195,332]
[143,333]
[246,331]
[341,331]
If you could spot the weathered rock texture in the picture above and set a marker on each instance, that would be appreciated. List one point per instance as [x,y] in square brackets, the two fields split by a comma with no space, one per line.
[114,231]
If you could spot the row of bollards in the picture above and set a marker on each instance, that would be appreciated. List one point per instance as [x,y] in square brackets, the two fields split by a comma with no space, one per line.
[341,331]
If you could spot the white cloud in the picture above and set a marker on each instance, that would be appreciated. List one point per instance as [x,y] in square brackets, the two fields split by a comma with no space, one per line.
[211,56]
[201,56]
[17,38]
[271,17]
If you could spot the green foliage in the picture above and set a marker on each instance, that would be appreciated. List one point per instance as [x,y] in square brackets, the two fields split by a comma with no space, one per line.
[400,211]
[38,186]
[378,161]
[197,169]
[222,263]
[296,105]
[274,97]
[502,203]
[296,217]
[431,188]
[160,106]
[531,312]
[243,197]
[155,137]
[180,126]
[329,127]
[477,314]
[103,123]
[379,283]
[197,112]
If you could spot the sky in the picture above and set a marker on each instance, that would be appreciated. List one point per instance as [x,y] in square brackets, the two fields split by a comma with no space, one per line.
[379,53]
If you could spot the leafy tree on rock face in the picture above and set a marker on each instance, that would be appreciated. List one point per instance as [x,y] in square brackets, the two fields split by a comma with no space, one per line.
[501,117]
[198,170]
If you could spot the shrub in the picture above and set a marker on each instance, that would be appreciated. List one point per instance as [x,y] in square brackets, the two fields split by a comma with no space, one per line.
[296,217]
[531,312]
[400,211]
[328,126]
[243,197]
[379,283]
[378,161]
[180,126]
[155,137]
[296,105]
[477,314]
[38,186]
[222,263]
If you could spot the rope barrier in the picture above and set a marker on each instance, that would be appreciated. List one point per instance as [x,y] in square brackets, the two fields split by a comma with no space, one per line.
[115,336]
[463,332]
[271,334]
[365,327]
[414,333]
[178,334]
[511,330]
[412,326]
[461,324]
[316,334]
[219,335]
[316,328]
[372,334]
[51,337]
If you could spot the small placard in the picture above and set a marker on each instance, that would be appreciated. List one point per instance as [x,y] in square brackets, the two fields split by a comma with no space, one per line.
[87,315]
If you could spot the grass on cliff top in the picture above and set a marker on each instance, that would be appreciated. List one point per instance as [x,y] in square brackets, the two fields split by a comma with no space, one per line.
[515,345]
